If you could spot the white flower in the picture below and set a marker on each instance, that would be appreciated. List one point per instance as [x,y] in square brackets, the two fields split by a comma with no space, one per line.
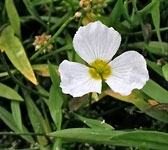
[97,44]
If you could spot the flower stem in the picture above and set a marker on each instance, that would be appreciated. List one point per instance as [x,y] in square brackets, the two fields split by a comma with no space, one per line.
[52,39]
[52,53]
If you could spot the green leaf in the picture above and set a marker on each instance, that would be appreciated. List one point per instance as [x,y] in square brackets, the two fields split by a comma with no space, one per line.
[146,139]
[95,124]
[153,47]
[30,7]
[16,113]
[147,9]
[13,16]
[9,93]
[36,119]
[7,118]
[55,104]
[116,13]
[16,53]
[39,2]
[155,12]
[154,9]
[165,71]
[56,98]
[155,67]
[155,91]
[54,77]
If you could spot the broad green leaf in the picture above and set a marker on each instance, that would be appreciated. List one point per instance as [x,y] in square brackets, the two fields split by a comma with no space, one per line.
[13,16]
[155,67]
[36,118]
[155,91]
[9,93]
[153,47]
[93,123]
[16,113]
[56,98]
[16,53]
[139,100]
[7,118]
[146,139]
[165,71]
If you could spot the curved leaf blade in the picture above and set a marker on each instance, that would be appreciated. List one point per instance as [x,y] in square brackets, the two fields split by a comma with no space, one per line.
[9,93]
[155,91]
[16,53]
[13,16]
[93,123]
[165,71]
[7,118]
[56,98]
[16,113]
[140,138]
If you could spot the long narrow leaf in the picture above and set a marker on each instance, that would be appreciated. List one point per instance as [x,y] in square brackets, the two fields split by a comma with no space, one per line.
[9,93]
[9,121]
[13,16]
[30,7]
[153,47]
[16,113]
[93,123]
[165,71]
[146,139]
[155,67]
[56,98]
[36,119]
[155,91]
[16,53]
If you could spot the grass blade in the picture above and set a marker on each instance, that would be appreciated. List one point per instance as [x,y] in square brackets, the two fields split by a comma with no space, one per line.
[7,118]
[36,119]
[16,113]
[13,16]
[155,91]
[93,123]
[9,93]
[111,137]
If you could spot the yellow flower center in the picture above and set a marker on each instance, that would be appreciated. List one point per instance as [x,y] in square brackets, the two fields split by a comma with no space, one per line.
[100,69]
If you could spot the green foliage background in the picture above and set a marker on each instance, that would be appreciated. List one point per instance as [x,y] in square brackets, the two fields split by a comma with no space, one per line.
[34,112]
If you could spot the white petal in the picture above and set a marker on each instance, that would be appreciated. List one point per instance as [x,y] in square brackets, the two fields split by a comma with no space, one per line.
[129,72]
[96,41]
[76,81]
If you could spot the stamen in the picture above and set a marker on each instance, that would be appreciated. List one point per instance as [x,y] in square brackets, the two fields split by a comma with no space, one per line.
[100,69]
